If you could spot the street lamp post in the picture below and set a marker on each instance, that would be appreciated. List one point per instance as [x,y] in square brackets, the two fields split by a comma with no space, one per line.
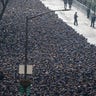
[26,50]
[25,83]
[26,36]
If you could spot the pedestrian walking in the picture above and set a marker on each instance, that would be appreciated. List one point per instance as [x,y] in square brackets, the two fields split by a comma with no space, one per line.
[93,17]
[65,4]
[75,19]
[70,3]
[88,12]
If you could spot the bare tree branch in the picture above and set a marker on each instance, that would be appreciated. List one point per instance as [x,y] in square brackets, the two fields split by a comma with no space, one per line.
[4,3]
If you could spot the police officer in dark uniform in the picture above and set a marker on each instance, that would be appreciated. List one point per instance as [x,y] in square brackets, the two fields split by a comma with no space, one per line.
[88,12]
[65,4]
[75,19]
[93,17]
[70,3]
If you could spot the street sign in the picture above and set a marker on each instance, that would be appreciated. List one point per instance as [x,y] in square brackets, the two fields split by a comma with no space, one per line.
[22,69]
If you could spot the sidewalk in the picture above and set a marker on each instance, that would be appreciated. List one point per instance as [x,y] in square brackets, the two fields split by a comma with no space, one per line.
[67,16]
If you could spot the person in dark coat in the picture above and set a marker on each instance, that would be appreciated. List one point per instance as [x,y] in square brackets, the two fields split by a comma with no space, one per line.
[93,17]
[88,12]
[65,4]
[75,19]
[70,3]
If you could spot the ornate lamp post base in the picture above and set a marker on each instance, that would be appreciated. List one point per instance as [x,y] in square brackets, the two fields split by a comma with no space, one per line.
[25,83]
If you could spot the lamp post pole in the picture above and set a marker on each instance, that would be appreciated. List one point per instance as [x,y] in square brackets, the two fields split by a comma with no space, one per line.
[25,83]
[26,49]
[30,18]
[26,37]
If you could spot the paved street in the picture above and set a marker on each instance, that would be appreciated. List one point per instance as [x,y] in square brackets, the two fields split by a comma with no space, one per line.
[67,16]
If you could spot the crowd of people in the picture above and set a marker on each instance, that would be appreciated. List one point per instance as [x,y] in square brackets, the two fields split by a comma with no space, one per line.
[90,6]
[64,63]
[90,15]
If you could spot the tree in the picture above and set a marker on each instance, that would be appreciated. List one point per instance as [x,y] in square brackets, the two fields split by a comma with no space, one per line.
[4,5]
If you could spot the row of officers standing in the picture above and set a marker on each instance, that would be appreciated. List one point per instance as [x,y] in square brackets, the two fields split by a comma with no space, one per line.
[69,2]
[93,19]
[93,16]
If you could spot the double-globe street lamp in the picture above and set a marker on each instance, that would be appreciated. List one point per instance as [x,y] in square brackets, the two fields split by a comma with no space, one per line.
[25,82]
[26,36]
